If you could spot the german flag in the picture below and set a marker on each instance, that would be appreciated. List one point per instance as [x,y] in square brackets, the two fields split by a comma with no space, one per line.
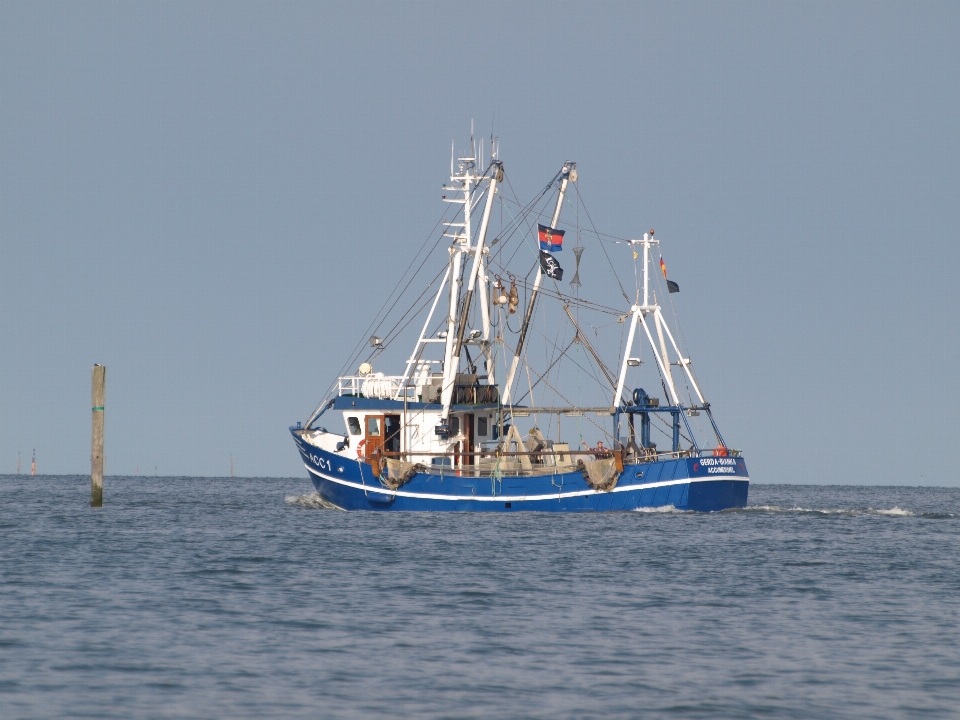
[671,285]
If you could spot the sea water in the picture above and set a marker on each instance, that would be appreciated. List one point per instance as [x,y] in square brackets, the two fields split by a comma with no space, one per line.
[246,598]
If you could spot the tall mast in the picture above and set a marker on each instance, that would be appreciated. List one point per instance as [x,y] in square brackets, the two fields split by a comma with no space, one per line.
[461,244]
[566,174]
[478,261]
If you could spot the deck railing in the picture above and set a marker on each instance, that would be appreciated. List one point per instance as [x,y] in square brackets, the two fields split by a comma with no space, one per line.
[543,462]
[632,458]
[384,387]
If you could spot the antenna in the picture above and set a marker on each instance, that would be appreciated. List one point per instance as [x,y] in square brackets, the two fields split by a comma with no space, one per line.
[451,158]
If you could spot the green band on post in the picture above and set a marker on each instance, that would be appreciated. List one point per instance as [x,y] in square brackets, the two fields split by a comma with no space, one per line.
[98,407]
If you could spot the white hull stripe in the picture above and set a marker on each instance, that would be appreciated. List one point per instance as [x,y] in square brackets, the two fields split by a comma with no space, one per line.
[510,498]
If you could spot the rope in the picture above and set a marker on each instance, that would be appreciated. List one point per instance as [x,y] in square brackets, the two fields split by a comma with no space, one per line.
[562,396]
[559,358]
[580,199]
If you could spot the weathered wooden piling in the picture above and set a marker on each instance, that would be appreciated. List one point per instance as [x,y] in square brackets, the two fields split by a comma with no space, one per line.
[96,456]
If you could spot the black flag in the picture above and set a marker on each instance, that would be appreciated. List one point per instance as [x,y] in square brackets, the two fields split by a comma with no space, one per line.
[551,268]
[672,286]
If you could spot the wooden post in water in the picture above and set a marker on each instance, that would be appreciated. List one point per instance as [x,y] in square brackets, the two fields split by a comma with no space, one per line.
[96,457]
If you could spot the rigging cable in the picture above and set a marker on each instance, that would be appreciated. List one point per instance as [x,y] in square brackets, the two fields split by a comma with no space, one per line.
[565,399]
[559,358]
[580,199]
[413,312]
[523,218]
[355,354]
[391,303]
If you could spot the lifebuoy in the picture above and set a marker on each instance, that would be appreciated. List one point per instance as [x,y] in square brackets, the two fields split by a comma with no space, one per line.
[360,448]
[720,451]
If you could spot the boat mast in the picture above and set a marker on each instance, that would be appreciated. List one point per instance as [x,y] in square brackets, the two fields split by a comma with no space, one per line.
[478,251]
[462,182]
[639,314]
[566,174]
[484,303]
[422,340]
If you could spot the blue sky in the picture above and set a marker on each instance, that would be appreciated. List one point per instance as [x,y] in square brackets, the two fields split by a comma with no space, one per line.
[209,198]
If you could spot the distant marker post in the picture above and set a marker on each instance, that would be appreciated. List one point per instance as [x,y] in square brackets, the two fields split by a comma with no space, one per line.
[96,456]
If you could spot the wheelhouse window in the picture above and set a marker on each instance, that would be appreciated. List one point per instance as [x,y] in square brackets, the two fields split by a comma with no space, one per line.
[354,425]
[391,429]
[482,426]
[373,426]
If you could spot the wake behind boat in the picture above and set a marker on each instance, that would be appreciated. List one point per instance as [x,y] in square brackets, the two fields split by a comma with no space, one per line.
[447,432]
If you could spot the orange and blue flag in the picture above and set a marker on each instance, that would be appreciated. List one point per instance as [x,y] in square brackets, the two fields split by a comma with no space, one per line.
[551,239]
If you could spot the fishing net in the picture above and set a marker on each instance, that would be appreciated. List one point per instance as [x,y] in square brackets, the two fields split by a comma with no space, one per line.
[600,474]
[399,472]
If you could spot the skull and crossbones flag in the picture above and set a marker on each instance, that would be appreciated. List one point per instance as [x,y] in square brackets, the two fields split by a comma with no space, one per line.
[551,268]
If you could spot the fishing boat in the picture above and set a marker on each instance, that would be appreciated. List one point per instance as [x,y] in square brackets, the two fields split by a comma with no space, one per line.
[505,402]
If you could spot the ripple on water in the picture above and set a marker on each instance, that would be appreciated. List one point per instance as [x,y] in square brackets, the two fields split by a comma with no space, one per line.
[220,597]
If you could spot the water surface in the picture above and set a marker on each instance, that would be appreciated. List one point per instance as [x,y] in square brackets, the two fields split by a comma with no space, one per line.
[244,598]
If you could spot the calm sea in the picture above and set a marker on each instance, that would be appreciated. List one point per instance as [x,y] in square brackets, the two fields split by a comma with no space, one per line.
[244,598]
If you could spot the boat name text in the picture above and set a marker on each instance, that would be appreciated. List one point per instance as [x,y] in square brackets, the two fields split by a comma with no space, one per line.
[719,465]
[320,462]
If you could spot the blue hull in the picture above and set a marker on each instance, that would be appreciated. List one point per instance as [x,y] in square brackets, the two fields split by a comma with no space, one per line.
[700,484]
